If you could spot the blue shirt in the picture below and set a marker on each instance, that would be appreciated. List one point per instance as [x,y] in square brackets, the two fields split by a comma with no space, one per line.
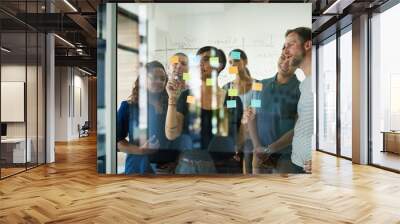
[277,114]
[127,126]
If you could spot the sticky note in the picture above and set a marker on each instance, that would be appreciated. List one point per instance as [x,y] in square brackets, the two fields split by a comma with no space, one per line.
[235,55]
[209,82]
[174,59]
[190,99]
[186,76]
[214,61]
[231,104]
[233,70]
[257,86]
[255,103]
[232,92]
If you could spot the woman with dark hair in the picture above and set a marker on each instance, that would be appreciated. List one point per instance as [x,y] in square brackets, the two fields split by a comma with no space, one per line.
[215,118]
[137,160]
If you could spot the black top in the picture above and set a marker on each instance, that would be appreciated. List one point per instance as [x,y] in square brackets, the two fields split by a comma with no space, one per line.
[202,138]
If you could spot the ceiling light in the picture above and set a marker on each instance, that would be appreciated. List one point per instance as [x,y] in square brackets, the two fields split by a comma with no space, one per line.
[64,40]
[5,50]
[70,5]
[338,7]
[84,71]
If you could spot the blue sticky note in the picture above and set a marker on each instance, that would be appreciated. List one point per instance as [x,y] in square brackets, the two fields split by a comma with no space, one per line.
[231,104]
[255,103]
[235,55]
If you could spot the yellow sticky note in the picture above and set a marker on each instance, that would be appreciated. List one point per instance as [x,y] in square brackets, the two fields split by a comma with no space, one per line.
[190,99]
[174,59]
[257,86]
[186,76]
[214,61]
[209,82]
[233,70]
[232,92]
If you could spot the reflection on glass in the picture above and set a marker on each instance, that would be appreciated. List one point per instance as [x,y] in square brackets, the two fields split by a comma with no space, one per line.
[385,84]
[346,94]
[327,96]
[194,100]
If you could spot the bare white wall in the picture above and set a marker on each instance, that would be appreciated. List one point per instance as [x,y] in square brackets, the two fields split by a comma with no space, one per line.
[71,102]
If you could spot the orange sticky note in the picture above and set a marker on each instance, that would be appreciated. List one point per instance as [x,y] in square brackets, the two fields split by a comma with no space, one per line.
[190,99]
[257,86]
[174,59]
[233,70]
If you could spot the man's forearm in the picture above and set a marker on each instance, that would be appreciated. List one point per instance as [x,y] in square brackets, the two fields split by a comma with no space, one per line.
[253,133]
[284,141]
[124,146]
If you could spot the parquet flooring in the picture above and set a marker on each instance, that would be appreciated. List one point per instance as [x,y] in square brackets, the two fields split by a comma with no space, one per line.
[70,191]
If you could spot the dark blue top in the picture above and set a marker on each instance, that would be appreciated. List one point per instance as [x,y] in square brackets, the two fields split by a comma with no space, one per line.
[277,114]
[127,126]
[156,118]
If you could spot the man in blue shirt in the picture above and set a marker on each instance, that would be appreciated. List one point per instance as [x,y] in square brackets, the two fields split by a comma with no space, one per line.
[271,129]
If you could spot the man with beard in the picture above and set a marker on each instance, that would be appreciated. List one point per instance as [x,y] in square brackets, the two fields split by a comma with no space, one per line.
[271,125]
[298,46]
[177,67]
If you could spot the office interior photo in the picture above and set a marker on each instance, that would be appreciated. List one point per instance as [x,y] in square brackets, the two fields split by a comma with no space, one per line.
[68,67]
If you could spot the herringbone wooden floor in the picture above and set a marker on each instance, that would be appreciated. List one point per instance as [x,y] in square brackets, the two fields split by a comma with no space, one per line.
[70,191]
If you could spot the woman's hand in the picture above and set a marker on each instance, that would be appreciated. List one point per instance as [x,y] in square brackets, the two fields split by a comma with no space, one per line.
[150,146]
[248,115]
[172,87]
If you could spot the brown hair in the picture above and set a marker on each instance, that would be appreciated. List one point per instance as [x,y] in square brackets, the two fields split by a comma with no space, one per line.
[303,32]
[150,66]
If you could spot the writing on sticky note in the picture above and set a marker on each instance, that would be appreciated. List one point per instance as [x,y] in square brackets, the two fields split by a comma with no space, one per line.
[235,55]
[209,82]
[190,99]
[231,103]
[257,86]
[186,76]
[214,61]
[233,70]
[174,59]
[255,103]
[232,92]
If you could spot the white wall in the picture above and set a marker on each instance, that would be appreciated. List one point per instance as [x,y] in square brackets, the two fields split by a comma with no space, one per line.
[70,83]
[256,28]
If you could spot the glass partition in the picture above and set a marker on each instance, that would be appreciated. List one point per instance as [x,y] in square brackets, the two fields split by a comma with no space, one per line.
[22,90]
[182,82]
[385,89]
[327,95]
[346,95]
[14,68]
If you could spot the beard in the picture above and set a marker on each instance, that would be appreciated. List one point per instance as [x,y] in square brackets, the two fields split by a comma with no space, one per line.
[298,58]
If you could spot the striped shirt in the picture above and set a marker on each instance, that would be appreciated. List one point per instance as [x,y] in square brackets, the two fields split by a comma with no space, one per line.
[304,128]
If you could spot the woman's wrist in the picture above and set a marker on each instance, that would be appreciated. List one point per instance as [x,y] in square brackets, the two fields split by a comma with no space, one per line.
[172,101]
